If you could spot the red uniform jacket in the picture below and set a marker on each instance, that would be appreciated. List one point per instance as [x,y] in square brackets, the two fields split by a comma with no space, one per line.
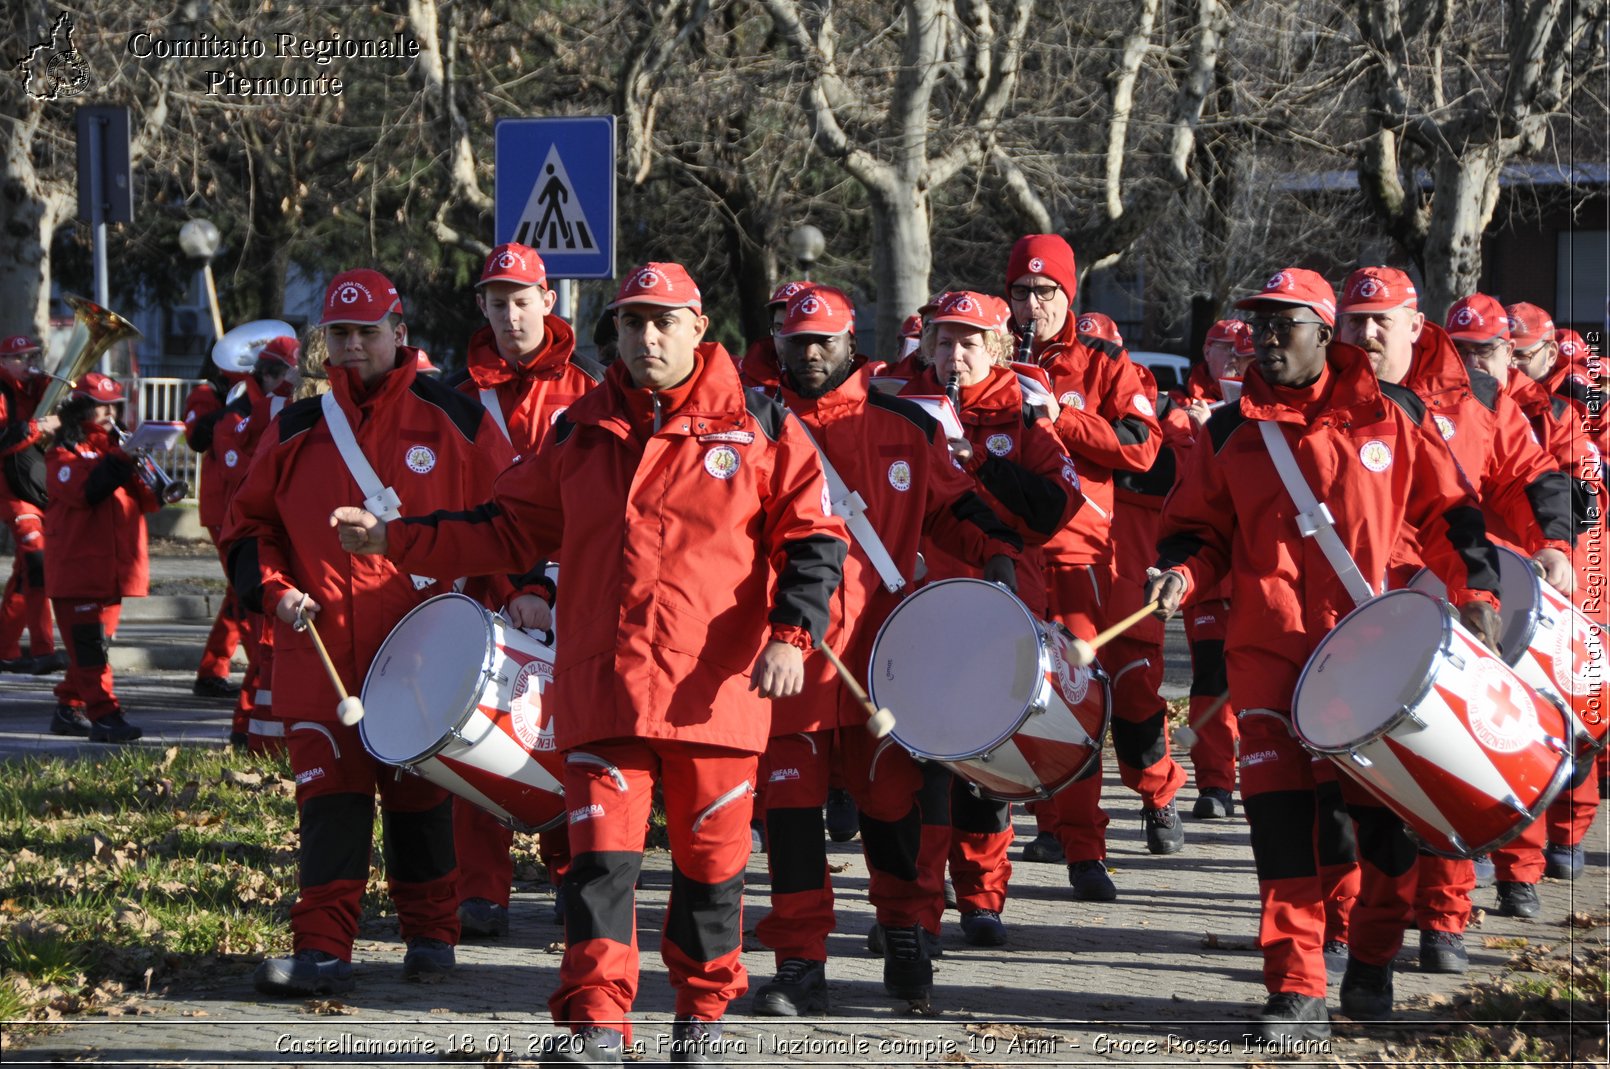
[894,455]
[1365,454]
[1107,424]
[95,524]
[532,396]
[236,434]
[759,368]
[203,408]
[434,447]
[22,458]
[687,535]
[1572,382]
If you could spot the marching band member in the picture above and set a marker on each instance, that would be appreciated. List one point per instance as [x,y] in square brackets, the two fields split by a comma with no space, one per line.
[96,549]
[203,408]
[709,560]
[22,508]
[412,439]
[759,367]
[1363,449]
[1106,424]
[524,368]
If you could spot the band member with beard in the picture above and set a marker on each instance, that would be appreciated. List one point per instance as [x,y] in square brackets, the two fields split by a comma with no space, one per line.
[22,509]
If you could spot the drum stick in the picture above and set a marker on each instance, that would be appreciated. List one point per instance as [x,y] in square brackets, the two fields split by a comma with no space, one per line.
[879,722]
[1185,734]
[1083,653]
[350,711]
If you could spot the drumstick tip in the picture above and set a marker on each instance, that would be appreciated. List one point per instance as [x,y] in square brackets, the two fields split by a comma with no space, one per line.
[350,711]
[880,723]
[1081,653]
[1184,736]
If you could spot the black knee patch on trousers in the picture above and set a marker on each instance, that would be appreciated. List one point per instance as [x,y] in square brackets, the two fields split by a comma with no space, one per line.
[798,853]
[33,570]
[1140,744]
[703,918]
[418,846]
[891,845]
[973,813]
[1334,827]
[1282,833]
[89,644]
[1209,679]
[933,801]
[336,832]
[600,896]
[1382,840]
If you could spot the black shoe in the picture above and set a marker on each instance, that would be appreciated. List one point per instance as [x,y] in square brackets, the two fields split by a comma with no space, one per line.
[215,687]
[591,1045]
[908,971]
[1564,862]
[68,720]
[983,928]
[46,664]
[950,895]
[1485,872]
[1367,991]
[875,945]
[308,972]
[428,961]
[800,986]
[843,819]
[1290,1016]
[239,741]
[483,918]
[1443,952]
[20,665]
[1046,848]
[1336,953]
[1215,803]
[1518,899]
[113,728]
[1164,832]
[695,1042]
[1090,881]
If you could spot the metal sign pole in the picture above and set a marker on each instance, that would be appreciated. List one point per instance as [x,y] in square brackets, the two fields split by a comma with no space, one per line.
[97,194]
[567,300]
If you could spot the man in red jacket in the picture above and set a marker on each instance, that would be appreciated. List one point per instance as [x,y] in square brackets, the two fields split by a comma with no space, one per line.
[430,448]
[1107,424]
[698,504]
[22,509]
[203,408]
[759,367]
[1363,450]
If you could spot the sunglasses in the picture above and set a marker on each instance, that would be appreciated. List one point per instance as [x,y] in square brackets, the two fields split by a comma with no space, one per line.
[1282,326]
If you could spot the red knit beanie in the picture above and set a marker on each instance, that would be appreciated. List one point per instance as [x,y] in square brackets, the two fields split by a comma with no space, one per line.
[1043,254]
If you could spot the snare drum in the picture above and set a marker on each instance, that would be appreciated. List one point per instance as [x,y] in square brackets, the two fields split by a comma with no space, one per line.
[455,696]
[978,683]
[1551,645]
[1408,703]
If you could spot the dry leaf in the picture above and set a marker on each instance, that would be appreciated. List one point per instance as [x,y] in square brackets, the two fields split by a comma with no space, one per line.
[328,1007]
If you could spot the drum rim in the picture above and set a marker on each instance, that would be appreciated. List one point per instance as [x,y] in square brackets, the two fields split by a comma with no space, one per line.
[1444,649]
[488,658]
[1533,615]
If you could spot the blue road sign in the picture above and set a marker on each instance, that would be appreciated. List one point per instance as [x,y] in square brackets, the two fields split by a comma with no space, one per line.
[555,191]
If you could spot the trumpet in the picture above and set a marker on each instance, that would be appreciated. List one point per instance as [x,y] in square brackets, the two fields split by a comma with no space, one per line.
[169,491]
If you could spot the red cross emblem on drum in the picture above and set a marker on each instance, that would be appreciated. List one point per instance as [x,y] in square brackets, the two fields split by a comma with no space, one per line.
[1500,710]
[1579,655]
[532,725]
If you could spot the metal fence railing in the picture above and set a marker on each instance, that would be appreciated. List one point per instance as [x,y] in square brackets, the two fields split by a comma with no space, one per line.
[163,399]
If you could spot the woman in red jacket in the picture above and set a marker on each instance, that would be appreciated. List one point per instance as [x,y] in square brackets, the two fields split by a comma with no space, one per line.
[96,521]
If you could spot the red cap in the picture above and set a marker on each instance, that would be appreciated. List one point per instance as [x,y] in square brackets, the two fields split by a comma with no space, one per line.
[284,349]
[1043,254]
[18,344]
[1477,318]
[1298,286]
[932,304]
[912,327]
[819,310]
[1528,324]
[1101,326]
[1573,350]
[1378,289]
[514,263]
[102,389]
[787,292]
[363,296]
[1243,342]
[666,285]
[973,310]
[422,364]
[1230,330]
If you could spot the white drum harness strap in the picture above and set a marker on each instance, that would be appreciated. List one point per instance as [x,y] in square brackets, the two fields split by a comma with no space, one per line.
[379,498]
[850,506]
[1314,519]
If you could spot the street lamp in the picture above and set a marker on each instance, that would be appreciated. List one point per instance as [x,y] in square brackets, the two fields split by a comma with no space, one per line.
[806,243]
[199,239]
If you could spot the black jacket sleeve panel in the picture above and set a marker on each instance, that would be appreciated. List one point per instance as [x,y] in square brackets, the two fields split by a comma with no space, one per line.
[806,583]
[1131,431]
[245,575]
[1467,531]
[1037,500]
[200,436]
[970,508]
[112,472]
[1550,495]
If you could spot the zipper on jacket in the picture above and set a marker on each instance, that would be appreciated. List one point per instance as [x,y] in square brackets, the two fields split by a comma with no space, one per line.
[659,411]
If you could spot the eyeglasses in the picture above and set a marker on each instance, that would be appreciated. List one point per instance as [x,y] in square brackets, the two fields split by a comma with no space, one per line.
[1046,291]
[1282,326]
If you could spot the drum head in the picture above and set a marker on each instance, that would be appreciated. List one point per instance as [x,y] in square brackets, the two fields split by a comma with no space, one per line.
[426,678]
[1376,661]
[1518,598]
[957,663]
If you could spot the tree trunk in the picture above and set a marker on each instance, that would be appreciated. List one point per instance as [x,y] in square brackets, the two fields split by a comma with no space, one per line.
[902,260]
[1467,192]
[29,214]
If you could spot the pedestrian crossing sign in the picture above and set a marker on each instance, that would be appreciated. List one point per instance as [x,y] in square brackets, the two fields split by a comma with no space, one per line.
[555,191]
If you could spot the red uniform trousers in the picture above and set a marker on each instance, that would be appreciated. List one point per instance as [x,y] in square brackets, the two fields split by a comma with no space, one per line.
[336,783]
[252,626]
[905,855]
[24,604]
[1572,812]
[265,732]
[1086,598]
[1442,893]
[88,627]
[980,836]
[609,789]
[225,634]
[485,865]
[1213,755]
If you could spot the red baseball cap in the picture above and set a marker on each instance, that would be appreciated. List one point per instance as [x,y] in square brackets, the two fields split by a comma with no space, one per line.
[422,364]
[1243,342]
[932,304]
[971,309]
[1528,324]
[1230,330]
[514,263]
[819,310]
[1378,289]
[285,349]
[18,344]
[1573,350]
[1099,325]
[102,389]
[912,327]
[787,292]
[1477,318]
[1043,254]
[363,296]
[1297,286]
[663,284]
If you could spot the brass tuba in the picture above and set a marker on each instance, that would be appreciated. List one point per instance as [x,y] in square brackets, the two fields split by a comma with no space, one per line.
[95,330]
[236,352]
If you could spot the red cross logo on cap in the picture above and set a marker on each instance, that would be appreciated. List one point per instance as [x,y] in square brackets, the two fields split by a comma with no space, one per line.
[1568,350]
[1036,265]
[1086,325]
[1368,287]
[648,279]
[964,304]
[810,306]
[507,260]
[348,294]
[1278,281]
[1464,317]
[792,288]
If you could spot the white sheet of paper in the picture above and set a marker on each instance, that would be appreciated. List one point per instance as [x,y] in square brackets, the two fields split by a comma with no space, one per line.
[155,435]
